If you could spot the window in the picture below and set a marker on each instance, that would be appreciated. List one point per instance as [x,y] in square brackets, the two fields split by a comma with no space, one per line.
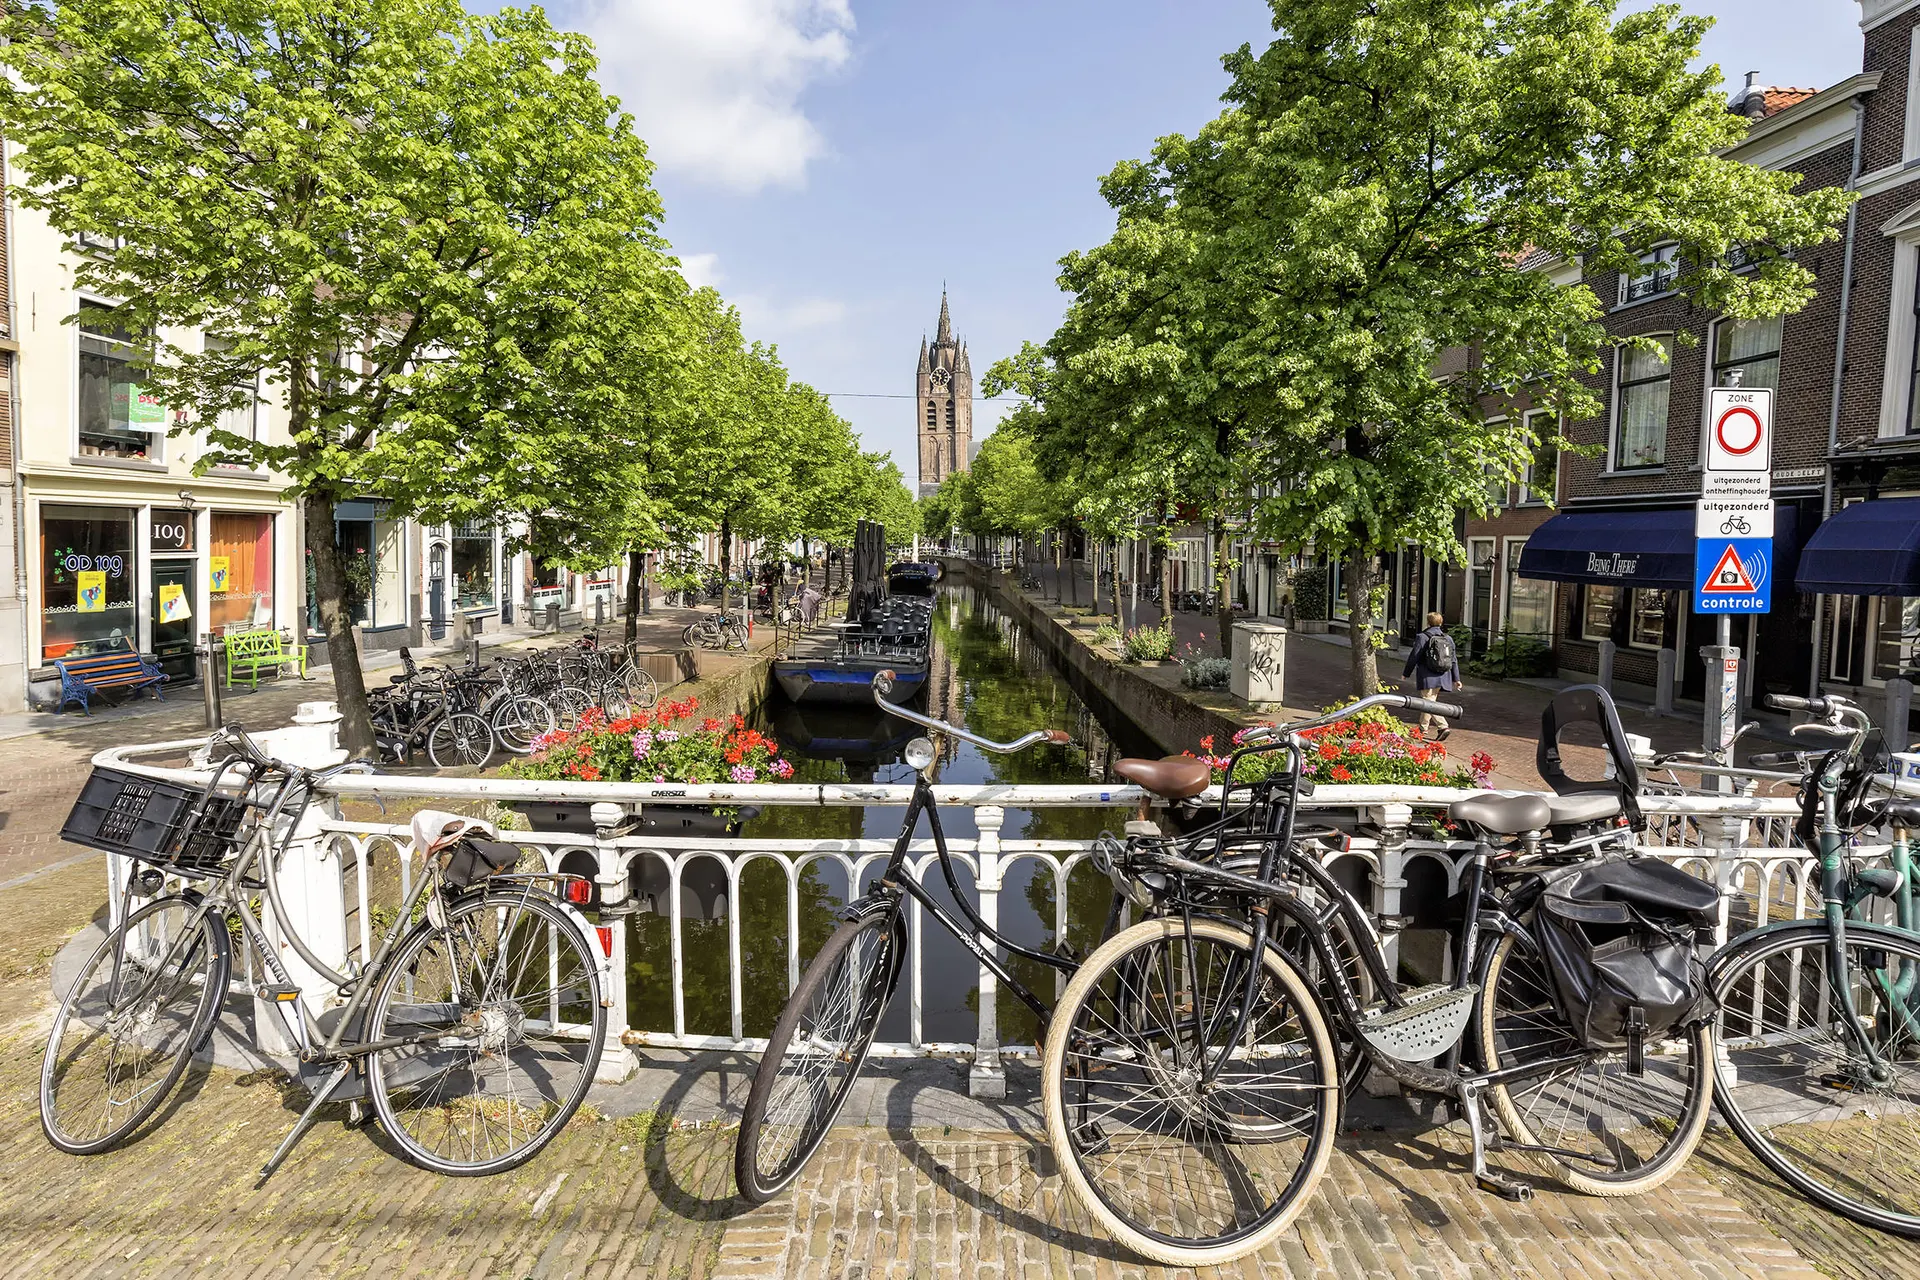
[242,420]
[1658,270]
[241,543]
[1896,638]
[1597,614]
[1528,601]
[1647,628]
[86,580]
[1537,481]
[118,419]
[932,416]
[949,415]
[473,565]
[1749,349]
[1640,408]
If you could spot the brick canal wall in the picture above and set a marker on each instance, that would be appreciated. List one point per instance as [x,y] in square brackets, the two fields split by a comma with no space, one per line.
[1174,722]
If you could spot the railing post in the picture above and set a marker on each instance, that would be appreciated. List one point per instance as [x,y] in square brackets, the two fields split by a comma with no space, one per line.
[1391,877]
[987,1078]
[617,1062]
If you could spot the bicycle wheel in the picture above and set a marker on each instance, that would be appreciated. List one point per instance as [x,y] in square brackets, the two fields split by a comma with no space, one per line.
[1177,1174]
[519,720]
[614,698]
[461,738]
[641,687]
[502,1006]
[819,1043]
[1616,1133]
[690,635]
[569,704]
[1836,1126]
[123,1037]
[734,636]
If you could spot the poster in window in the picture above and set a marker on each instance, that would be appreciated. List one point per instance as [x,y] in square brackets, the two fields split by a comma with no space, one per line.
[92,587]
[218,572]
[144,411]
[173,603]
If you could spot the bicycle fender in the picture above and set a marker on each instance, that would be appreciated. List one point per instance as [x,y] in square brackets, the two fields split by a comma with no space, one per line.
[866,904]
[1754,937]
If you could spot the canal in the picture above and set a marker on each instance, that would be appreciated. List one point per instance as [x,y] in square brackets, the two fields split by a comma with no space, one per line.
[988,676]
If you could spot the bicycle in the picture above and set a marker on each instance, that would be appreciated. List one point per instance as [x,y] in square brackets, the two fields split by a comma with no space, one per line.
[474,1030]
[1191,1081]
[419,711]
[1736,526]
[1819,1029]
[823,1035]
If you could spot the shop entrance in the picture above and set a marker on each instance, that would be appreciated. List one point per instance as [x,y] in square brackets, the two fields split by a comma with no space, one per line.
[170,598]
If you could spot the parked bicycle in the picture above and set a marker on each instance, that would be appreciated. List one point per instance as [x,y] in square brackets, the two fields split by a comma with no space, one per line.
[422,711]
[715,631]
[473,1030]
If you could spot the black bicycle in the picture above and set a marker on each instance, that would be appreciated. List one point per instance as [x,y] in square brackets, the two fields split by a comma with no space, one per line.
[824,1033]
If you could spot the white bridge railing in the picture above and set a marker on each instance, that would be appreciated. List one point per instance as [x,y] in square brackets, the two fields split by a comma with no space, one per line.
[351,874]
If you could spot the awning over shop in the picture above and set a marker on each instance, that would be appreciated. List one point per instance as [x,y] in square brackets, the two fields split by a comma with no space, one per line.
[1868,549]
[1637,548]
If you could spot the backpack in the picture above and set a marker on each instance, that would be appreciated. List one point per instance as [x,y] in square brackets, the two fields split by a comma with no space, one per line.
[1438,657]
[1618,938]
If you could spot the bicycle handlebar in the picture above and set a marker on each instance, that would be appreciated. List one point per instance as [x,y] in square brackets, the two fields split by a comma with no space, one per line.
[883,685]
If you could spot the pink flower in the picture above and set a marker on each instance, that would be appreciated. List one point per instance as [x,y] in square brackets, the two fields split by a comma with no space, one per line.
[741,773]
[781,769]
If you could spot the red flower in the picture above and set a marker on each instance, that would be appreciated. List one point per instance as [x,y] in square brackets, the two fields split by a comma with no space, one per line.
[1329,752]
[709,725]
[1206,743]
[1340,773]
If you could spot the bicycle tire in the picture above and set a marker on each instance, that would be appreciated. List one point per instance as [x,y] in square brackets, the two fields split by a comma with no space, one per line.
[644,689]
[446,1081]
[519,720]
[209,956]
[568,704]
[1834,1096]
[690,635]
[615,700]
[1080,1055]
[460,739]
[1517,1015]
[734,637]
[880,936]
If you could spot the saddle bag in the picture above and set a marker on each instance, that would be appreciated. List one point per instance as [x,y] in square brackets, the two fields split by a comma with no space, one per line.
[471,860]
[1619,939]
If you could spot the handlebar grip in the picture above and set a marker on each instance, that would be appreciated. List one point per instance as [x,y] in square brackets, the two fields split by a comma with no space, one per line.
[1059,737]
[1789,702]
[1426,708]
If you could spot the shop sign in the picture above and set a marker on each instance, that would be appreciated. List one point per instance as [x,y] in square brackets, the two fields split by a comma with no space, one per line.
[172,530]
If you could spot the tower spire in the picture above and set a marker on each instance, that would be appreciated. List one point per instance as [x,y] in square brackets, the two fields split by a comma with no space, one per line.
[944,336]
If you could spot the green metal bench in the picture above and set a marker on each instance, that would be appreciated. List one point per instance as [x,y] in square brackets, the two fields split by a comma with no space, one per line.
[81,678]
[250,652]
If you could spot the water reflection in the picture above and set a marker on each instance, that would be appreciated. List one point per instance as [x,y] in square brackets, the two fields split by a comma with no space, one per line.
[988,676]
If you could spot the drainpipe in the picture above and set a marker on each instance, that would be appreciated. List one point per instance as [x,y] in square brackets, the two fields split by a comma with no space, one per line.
[1839,372]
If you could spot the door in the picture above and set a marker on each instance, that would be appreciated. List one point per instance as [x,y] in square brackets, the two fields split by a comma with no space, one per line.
[1480,567]
[437,589]
[170,599]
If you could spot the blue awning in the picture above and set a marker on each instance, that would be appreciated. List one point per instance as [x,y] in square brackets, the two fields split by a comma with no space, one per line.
[1868,549]
[1638,548]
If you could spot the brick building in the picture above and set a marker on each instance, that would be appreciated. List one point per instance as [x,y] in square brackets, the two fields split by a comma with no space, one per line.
[943,398]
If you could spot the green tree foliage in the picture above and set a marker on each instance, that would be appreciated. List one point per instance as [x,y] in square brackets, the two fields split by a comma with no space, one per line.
[1279,288]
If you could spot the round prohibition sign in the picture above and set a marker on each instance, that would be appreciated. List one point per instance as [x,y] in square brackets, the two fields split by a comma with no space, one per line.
[1739,431]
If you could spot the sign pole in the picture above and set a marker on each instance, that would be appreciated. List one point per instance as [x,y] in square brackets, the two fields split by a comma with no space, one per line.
[1733,547]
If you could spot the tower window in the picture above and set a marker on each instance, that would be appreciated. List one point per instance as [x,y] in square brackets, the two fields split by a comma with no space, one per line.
[949,413]
[931,420]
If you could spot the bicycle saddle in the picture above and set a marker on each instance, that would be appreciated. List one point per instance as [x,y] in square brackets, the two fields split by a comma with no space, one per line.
[1172,778]
[1898,813]
[1502,815]
[1587,808]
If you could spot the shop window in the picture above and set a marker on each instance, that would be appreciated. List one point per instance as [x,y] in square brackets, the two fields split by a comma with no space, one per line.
[86,580]
[370,547]
[1528,601]
[1896,638]
[473,565]
[1749,349]
[240,570]
[118,417]
[1647,627]
[1640,409]
[1601,607]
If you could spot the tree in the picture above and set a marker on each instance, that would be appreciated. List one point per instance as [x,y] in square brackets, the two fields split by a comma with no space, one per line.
[1280,288]
[431,230]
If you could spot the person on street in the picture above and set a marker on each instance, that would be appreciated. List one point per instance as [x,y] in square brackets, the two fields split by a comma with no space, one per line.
[1434,667]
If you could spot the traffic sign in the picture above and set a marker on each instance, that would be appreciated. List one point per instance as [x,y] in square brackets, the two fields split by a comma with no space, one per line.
[1740,430]
[1735,484]
[1733,575]
[1716,517]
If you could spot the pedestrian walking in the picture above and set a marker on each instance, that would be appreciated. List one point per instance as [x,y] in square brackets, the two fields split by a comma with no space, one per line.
[1434,667]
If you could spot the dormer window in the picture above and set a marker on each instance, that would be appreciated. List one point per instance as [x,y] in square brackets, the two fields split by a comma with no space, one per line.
[1658,270]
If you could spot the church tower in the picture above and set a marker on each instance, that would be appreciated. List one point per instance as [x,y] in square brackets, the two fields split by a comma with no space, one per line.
[943,405]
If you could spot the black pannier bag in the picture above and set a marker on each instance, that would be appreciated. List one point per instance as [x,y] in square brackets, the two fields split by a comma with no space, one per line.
[1619,939]
[473,860]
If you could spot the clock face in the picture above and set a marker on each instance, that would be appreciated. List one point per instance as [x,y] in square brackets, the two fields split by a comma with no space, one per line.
[940,377]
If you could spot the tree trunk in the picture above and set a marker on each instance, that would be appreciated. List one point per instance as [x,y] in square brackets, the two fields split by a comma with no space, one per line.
[330,594]
[726,559]
[636,562]
[1093,562]
[1222,606]
[1133,585]
[1364,672]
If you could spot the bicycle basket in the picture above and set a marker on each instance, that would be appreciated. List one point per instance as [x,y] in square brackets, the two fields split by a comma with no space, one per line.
[1618,938]
[154,821]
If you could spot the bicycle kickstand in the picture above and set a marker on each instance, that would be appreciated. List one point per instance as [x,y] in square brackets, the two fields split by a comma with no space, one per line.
[1468,1093]
[306,1120]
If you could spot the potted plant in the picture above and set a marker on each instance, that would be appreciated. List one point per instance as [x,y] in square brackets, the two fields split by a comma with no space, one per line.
[664,745]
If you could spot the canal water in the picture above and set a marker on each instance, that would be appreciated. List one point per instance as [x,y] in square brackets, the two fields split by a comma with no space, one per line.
[987,676]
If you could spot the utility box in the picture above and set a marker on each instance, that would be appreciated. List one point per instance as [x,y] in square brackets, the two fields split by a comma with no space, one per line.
[1258,675]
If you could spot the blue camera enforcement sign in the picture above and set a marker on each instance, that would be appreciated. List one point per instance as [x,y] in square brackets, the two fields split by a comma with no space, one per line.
[1733,575]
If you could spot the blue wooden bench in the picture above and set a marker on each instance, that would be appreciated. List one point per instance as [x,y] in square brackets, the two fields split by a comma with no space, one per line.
[81,678]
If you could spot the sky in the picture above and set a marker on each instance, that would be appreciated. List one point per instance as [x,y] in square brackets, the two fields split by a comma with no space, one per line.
[830,165]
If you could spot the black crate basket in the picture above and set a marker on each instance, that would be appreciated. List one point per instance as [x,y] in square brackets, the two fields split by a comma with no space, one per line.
[155,821]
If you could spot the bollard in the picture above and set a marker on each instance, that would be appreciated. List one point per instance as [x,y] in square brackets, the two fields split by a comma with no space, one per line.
[210,679]
[1897,728]
[553,617]
[599,611]
[1663,691]
[1604,677]
[473,652]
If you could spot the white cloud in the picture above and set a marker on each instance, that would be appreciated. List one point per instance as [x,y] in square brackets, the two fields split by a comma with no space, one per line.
[700,269]
[768,318]
[714,85]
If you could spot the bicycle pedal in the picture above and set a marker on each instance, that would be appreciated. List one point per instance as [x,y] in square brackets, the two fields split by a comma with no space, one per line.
[1091,1139]
[1506,1189]
[277,994]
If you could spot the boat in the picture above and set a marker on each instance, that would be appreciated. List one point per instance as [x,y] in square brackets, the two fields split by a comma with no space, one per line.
[888,627]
